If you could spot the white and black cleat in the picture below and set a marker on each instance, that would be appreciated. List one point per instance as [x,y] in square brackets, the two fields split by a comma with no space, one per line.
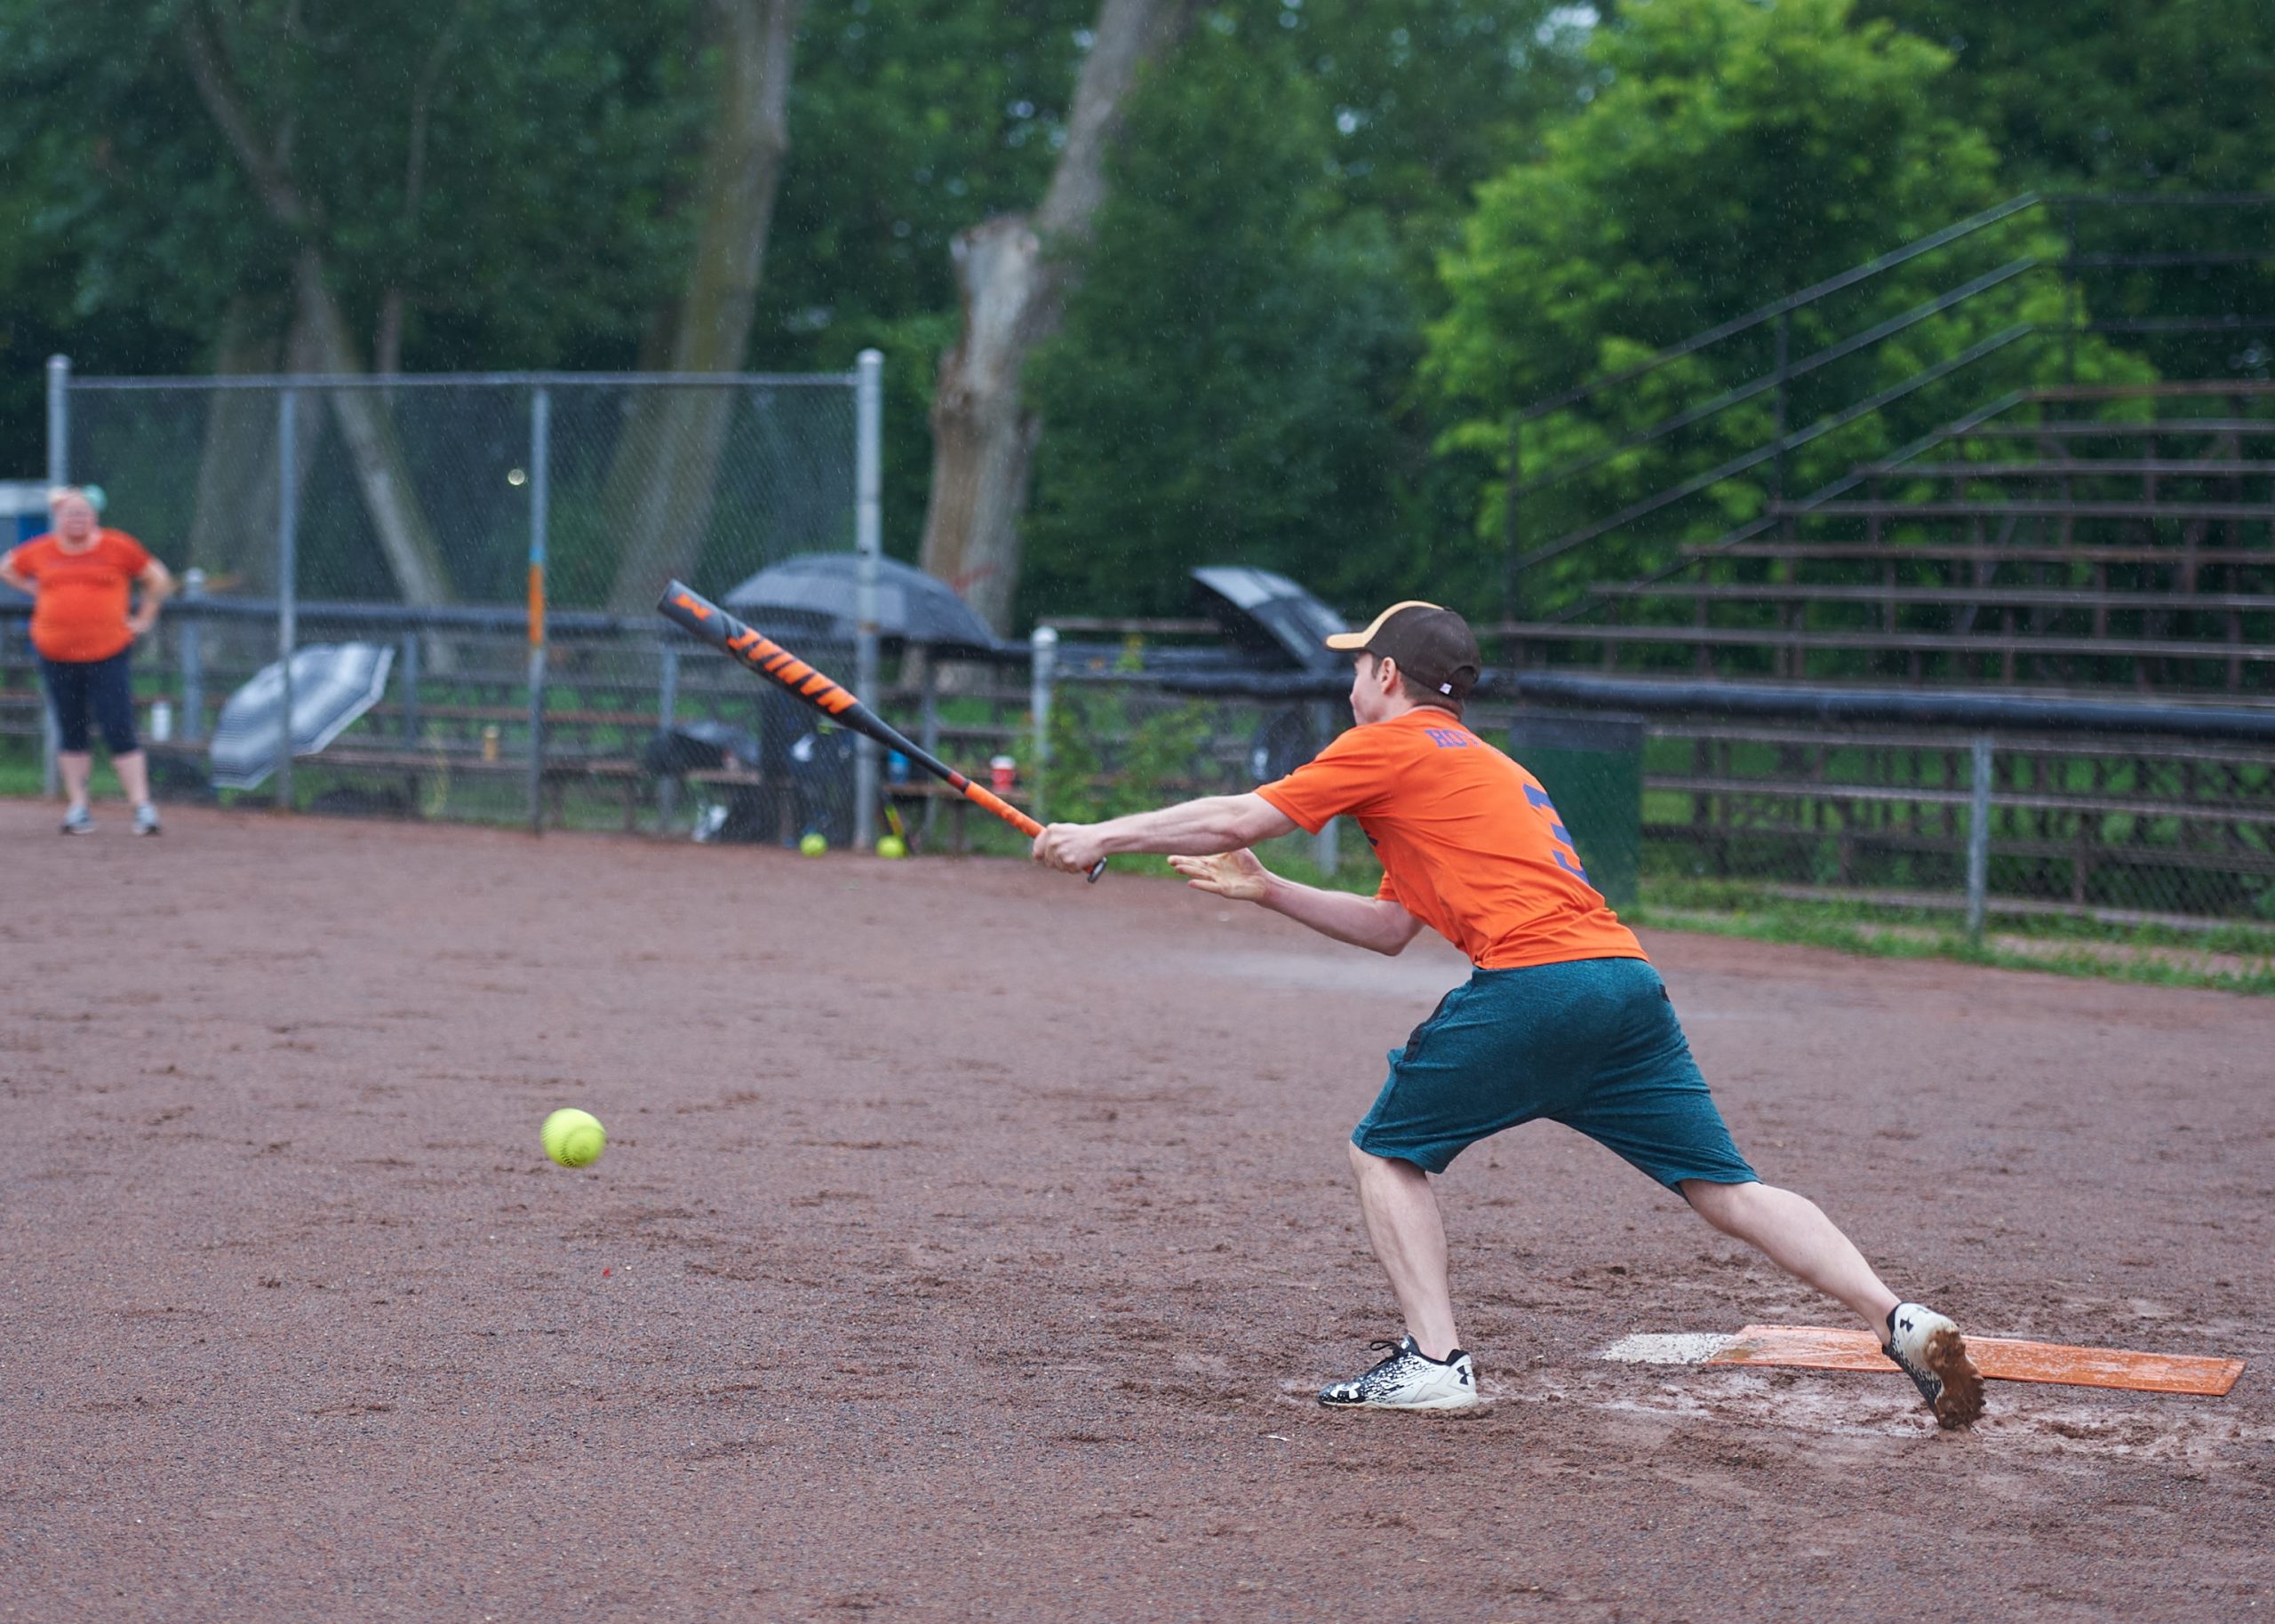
[1407,1379]
[1933,1353]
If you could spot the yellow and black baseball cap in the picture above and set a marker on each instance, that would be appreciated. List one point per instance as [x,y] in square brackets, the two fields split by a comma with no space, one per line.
[1432,645]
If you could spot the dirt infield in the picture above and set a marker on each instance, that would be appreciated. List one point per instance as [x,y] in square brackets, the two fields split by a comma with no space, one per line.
[969,1243]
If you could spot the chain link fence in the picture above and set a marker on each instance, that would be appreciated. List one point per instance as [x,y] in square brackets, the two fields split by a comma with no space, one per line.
[428,491]
[2043,844]
[504,536]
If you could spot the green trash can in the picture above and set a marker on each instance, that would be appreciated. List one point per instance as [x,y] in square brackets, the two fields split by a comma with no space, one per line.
[1592,768]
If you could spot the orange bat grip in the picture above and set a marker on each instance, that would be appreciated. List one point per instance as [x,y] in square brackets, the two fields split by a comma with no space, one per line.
[1018,819]
[980,795]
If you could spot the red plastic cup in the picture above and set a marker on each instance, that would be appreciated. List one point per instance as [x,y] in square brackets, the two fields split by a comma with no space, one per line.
[1002,772]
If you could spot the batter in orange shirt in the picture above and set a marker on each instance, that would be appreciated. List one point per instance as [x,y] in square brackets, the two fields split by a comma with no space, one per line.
[1469,842]
[1564,1019]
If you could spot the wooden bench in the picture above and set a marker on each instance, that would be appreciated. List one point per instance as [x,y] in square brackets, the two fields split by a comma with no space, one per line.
[1894,643]
[1952,597]
[927,793]
[931,793]
[2257,814]
[2159,429]
[414,768]
[1985,553]
[1991,508]
[2098,467]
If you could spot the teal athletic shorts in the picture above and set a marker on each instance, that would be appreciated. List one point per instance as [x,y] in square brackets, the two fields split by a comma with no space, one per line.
[1593,1044]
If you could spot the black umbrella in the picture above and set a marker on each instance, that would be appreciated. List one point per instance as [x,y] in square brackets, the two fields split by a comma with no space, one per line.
[817,589]
[1269,613]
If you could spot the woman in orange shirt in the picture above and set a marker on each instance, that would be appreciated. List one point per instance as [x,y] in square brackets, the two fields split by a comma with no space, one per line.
[82,579]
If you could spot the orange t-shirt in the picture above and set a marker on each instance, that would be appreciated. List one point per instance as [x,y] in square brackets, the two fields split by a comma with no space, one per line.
[79,610]
[1468,840]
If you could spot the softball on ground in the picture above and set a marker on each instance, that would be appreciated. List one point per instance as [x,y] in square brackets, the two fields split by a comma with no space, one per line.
[574,1138]
[813,845]
[892,846]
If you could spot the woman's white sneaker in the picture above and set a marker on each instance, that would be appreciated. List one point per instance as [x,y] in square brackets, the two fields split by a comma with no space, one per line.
[145,819]
[1407,1379]
[1933,1354]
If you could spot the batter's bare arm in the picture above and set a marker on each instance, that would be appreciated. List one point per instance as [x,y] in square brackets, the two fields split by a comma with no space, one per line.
[1191,829]
[1376,923]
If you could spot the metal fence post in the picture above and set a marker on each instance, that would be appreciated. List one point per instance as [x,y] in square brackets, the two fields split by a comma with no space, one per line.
[667,707]
[407,667]
[868,540]
[58,473]
[541,500]
[928,728]
[192,641]
[1043,672]
[288,539]
[1327,844]
[59,420]
[1978,838]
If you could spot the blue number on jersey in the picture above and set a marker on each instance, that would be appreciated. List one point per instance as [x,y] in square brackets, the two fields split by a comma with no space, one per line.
[1568,856]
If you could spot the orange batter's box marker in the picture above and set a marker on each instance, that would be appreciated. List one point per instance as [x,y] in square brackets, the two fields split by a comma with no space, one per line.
[1822,1348]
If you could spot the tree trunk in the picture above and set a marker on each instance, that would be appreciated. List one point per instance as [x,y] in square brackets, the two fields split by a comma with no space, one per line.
[1011,277]
[388,493]
[663,478]
[233,525]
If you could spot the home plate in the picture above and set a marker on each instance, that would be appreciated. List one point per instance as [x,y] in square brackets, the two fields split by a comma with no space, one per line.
[1679,1347]
[1824,1347]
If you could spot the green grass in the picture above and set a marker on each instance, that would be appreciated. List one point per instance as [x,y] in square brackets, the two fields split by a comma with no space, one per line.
[18,777]
[2239,959]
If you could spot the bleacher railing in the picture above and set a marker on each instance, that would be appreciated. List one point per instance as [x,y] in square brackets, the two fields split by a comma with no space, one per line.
[2133,288]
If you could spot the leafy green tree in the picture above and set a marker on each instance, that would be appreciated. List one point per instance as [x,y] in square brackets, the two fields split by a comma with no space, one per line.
[1224,387]
[2104,97]
[911,119]
[1406,105]
[1732,152]
[324,188]
[2109,95]
[1234,382]
[498,167]
[1428,98]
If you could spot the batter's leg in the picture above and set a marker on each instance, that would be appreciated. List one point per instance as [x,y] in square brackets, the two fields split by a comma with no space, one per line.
[1793,1232]
[1409,1242]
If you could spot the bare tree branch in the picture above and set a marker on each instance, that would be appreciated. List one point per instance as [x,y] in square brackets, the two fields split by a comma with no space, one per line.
[225,103]
[387,346]
[665,472]
[390,495]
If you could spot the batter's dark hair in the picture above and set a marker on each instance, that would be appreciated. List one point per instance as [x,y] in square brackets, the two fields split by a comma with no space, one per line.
[1419,693]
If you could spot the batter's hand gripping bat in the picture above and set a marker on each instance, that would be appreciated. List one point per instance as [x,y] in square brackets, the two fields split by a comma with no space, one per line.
[689,608]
